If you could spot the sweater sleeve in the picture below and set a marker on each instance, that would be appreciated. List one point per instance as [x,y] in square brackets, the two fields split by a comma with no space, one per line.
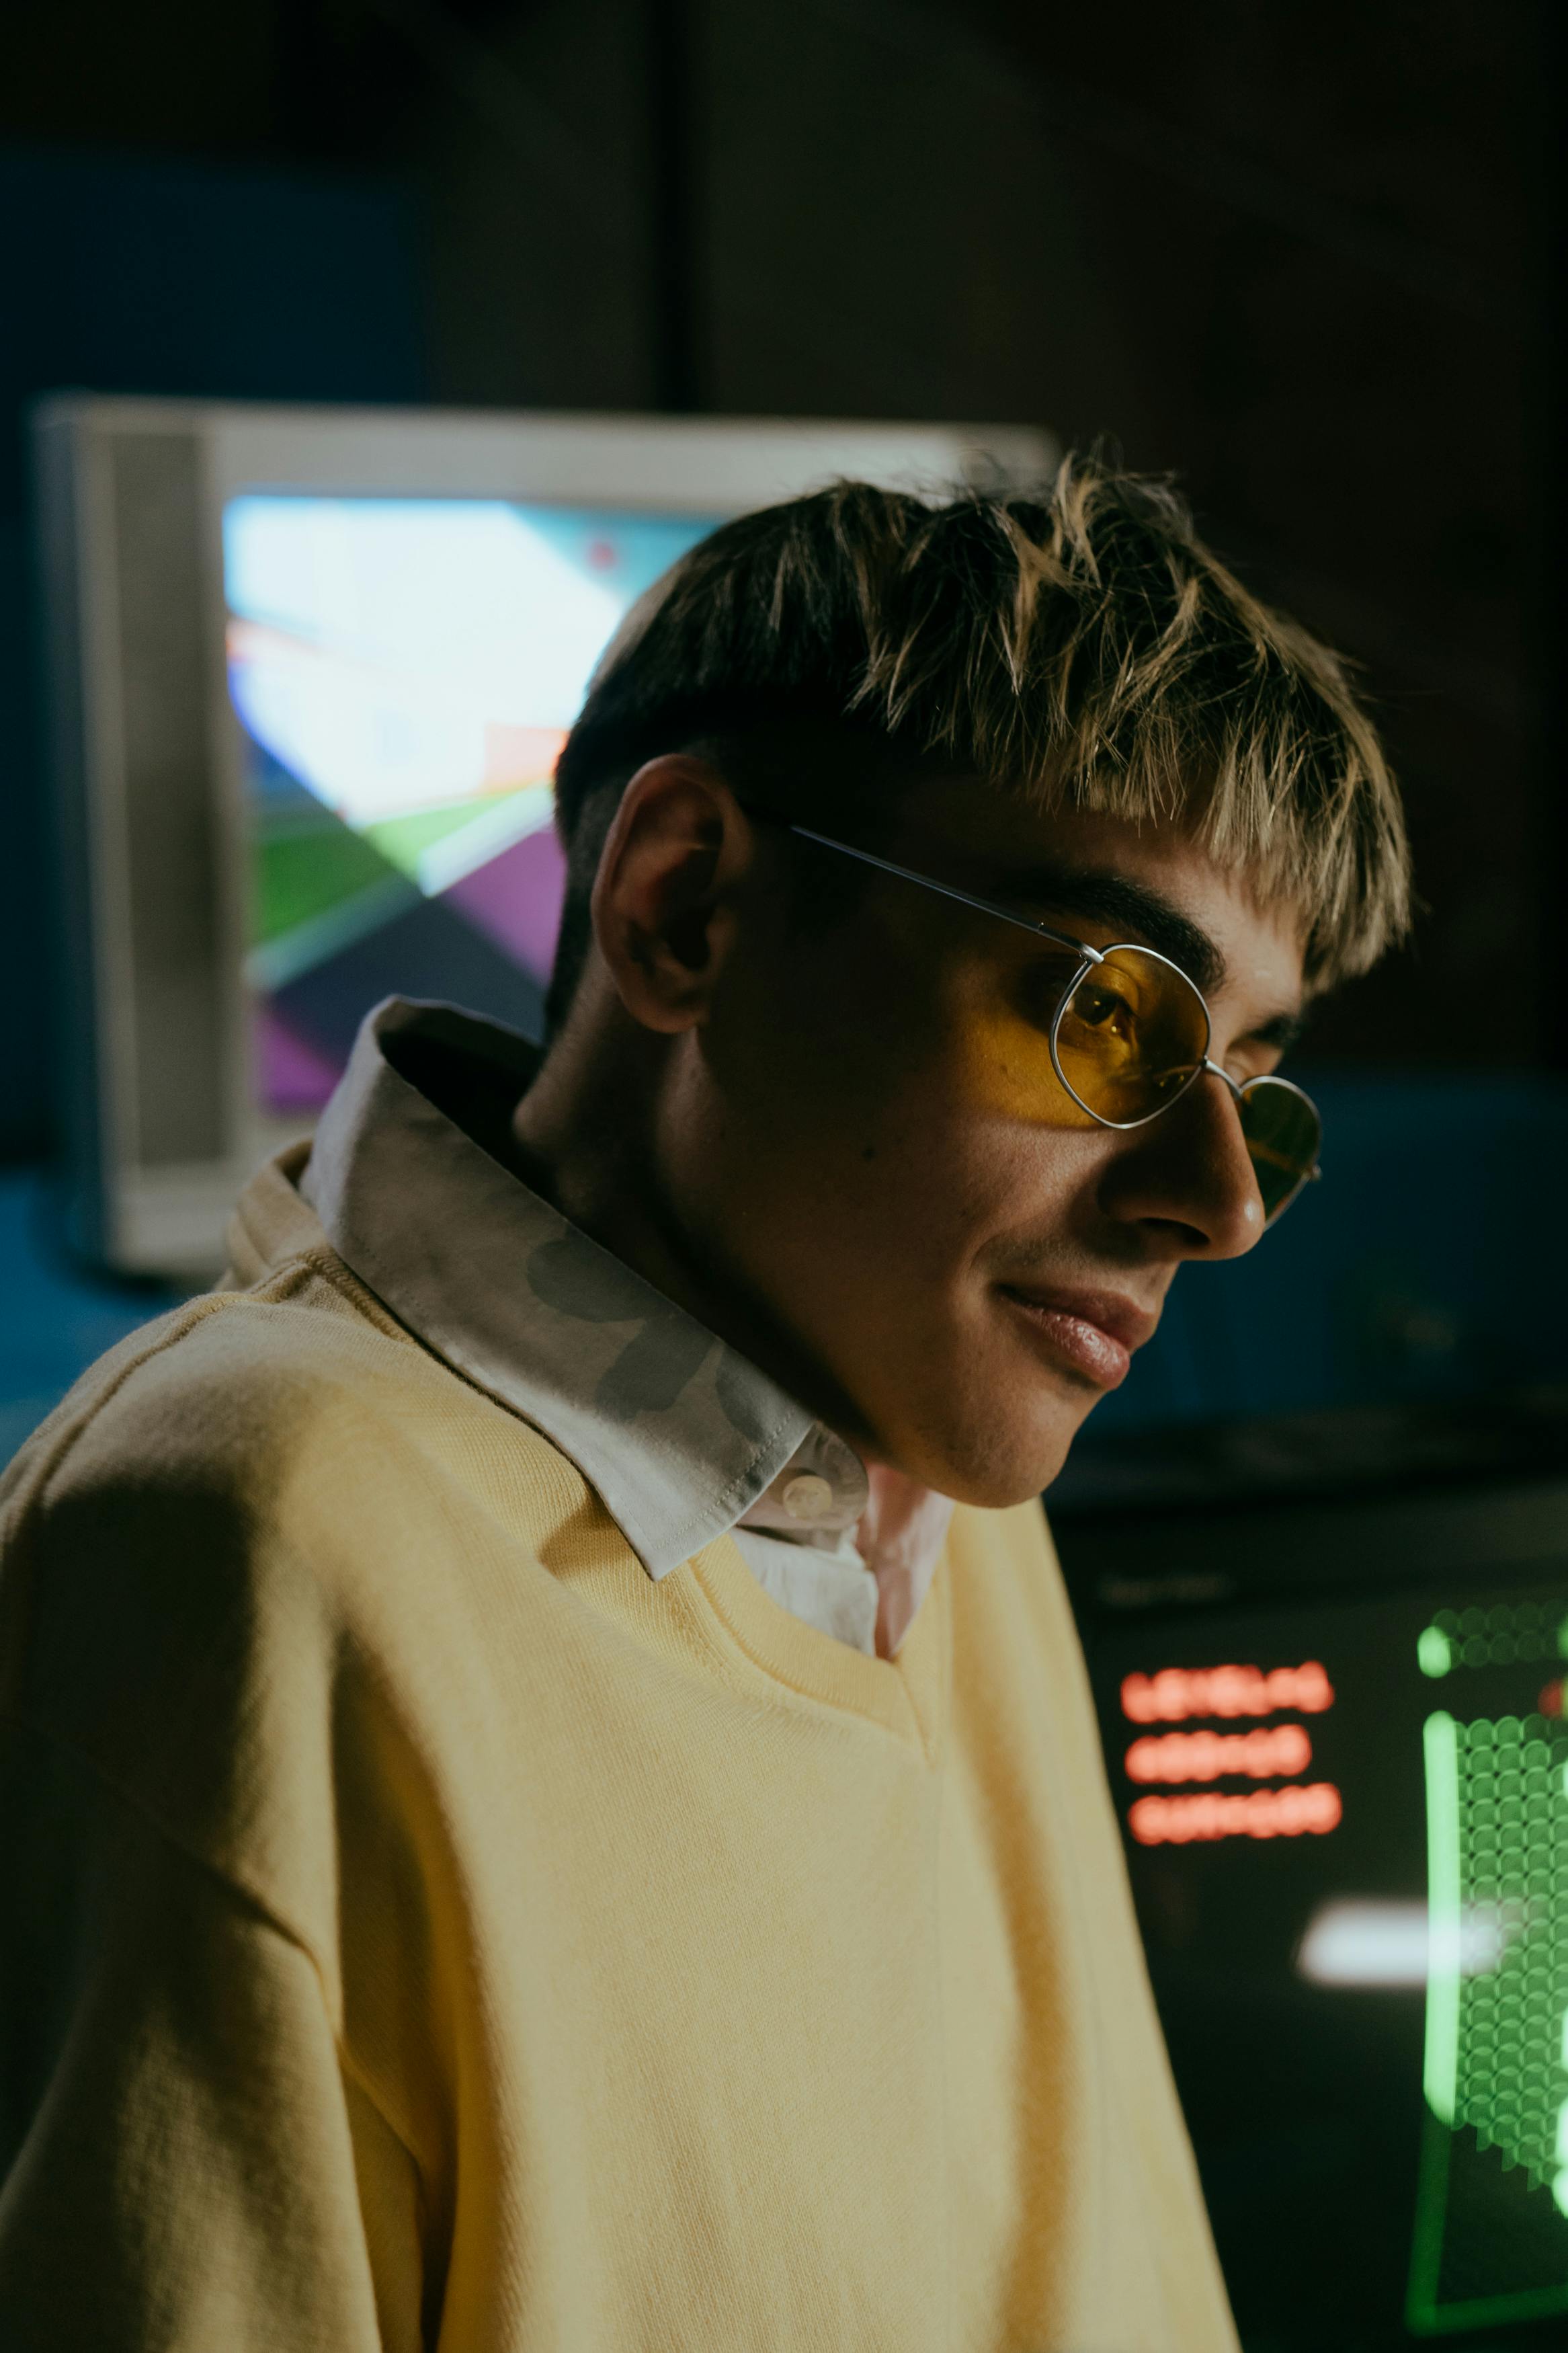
[183,2162]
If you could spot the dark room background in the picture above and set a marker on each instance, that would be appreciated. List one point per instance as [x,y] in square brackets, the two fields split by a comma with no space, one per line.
[1296,252]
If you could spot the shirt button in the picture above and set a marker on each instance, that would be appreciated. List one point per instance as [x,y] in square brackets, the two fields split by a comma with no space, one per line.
[807,1497]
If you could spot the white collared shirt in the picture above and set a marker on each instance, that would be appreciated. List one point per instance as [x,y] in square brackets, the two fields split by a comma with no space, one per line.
[682,1438]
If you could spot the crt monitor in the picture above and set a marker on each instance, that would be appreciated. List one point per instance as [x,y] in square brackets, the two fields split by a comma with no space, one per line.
[310,670]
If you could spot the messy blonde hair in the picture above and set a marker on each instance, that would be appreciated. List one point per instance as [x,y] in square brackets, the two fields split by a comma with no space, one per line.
[1082,649]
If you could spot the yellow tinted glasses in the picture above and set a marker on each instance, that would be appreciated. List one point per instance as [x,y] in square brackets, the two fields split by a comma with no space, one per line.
[1131,1035]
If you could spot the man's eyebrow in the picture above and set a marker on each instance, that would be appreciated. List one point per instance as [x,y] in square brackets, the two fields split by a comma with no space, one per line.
[1132,909]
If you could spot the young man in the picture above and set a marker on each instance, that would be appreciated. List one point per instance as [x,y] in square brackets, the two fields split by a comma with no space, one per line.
[549,1797]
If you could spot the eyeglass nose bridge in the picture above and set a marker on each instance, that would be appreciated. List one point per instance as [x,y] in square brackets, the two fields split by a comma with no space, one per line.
[1236,1088]
[1233,1086]
[1239,1089]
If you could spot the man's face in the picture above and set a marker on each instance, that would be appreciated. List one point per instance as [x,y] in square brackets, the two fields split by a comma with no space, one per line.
[864,1140]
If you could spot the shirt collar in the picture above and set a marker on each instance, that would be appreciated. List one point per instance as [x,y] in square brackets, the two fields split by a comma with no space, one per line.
[679,1434]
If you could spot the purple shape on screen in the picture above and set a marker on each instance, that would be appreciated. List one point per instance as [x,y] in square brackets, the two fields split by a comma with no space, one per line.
[292,1074]
[515,900]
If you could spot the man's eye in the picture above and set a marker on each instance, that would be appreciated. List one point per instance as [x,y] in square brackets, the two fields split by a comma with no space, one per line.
[1102,1008]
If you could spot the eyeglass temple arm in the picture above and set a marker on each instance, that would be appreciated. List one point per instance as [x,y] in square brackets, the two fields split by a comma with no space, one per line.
[950,891]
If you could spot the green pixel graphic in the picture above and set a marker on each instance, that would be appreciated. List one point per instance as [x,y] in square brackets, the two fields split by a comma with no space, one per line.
[1499,1637]
[1491,2239]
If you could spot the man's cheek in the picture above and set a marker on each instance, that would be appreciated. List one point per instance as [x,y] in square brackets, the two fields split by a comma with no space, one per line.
[1001,1067]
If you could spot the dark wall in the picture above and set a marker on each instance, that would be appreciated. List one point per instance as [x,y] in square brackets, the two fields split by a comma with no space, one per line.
[1329,230]
[1299,253]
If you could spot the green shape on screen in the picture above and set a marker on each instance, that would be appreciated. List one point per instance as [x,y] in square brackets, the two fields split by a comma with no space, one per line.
[306,871]
[1434,1651]
[1492,2229]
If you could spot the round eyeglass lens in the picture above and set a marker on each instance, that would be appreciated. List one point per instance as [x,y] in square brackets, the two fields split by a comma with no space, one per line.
[1132,1036]
[1283,1131]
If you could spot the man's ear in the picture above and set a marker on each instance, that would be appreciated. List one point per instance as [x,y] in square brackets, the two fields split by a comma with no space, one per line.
[662,906]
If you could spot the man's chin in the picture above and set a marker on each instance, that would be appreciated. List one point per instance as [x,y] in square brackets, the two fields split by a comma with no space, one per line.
[997,1468]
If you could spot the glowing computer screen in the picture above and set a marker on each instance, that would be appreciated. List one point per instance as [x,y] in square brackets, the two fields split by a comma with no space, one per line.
[1347,1826]
[405,671]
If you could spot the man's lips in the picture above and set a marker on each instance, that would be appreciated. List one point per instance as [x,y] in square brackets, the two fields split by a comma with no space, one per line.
[1094,1332]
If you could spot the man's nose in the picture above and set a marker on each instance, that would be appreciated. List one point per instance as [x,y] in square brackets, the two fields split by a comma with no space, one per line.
[1189,1173]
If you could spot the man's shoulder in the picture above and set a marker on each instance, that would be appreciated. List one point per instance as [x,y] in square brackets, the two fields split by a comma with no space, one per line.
[256,1459]
[234,1393]
[259,1507]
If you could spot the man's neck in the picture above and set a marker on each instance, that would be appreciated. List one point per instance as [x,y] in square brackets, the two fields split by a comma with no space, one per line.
[583,1138]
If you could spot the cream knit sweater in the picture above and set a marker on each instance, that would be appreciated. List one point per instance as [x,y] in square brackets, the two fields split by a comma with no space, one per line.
[421,1927]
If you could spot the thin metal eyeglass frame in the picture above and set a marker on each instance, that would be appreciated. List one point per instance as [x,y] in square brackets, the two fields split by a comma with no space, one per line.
[1089,957]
